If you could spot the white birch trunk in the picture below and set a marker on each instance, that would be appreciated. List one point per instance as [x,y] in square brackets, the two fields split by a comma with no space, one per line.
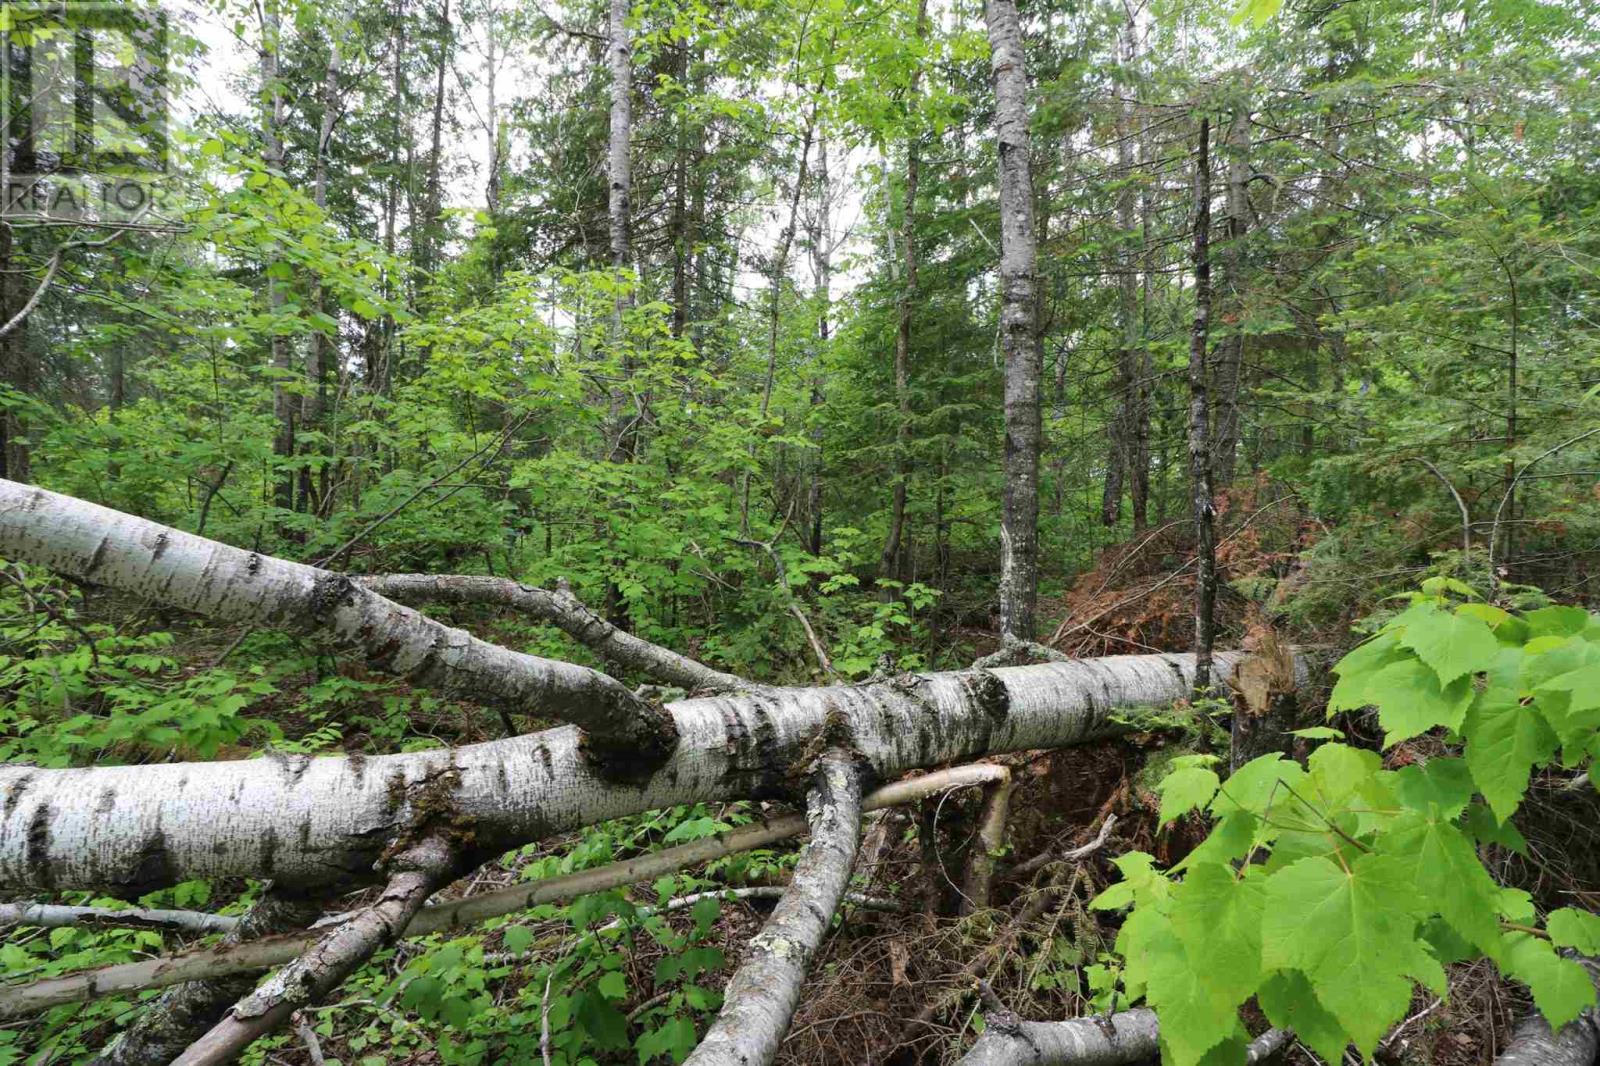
[301,820]
[163,565]
[1122,1039]
[1019,337]
[761,999]
[245,956]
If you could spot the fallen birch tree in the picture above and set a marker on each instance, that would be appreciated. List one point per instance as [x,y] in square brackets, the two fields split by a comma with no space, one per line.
[415,821]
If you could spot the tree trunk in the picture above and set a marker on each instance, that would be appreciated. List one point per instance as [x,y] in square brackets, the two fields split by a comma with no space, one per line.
[1019,341]
[491,189]
[678,219]
[1230,349]
[380,361]
[308,821]
[17,369]
[1199,420]
[780,274]
[619,165]
[822,277]
[889,565]
[428,240]
[285,409]
[1144,367]
[1126,380]
[314,405]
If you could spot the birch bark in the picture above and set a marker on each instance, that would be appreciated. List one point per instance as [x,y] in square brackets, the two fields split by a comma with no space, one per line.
[760,1000]
[560,608]
[178,569]
[1203,507]
[308,821]
[1019,340]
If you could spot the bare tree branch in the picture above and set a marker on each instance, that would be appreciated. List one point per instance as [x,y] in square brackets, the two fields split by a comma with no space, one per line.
[56,916]
[50,271]
[1045,858]
[1511,489]
[560,608]
[1461,505]
[493,448]
[761,999]
[173,1020]
[990,838]
[417,871]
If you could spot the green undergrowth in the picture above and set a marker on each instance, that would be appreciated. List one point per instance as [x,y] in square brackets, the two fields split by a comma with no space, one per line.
[1326,893]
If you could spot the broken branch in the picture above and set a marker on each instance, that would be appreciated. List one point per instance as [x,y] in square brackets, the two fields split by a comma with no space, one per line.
[761,999]
[564,610]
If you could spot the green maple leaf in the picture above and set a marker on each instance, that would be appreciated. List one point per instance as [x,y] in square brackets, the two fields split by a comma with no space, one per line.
[1231,838]
[1339,772]
[1570,702]
[1454,645]
[1352,933]
[1562,988]
[1556,621]
[1485,828]
[1258,784]
[1442,867]
[1583,683]
[1146,934]
[1357,668]
[1195,1014]
[1551,658]
[1572,928]
[1217,917]
[1289,1003]
[1411,701]
[1443,783]
[1185,790]
[1505,740]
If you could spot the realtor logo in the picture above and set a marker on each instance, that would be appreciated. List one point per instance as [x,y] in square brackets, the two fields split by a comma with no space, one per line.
[83,107]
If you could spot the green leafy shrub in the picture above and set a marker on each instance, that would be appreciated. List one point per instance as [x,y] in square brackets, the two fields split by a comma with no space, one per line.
[1328,892]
